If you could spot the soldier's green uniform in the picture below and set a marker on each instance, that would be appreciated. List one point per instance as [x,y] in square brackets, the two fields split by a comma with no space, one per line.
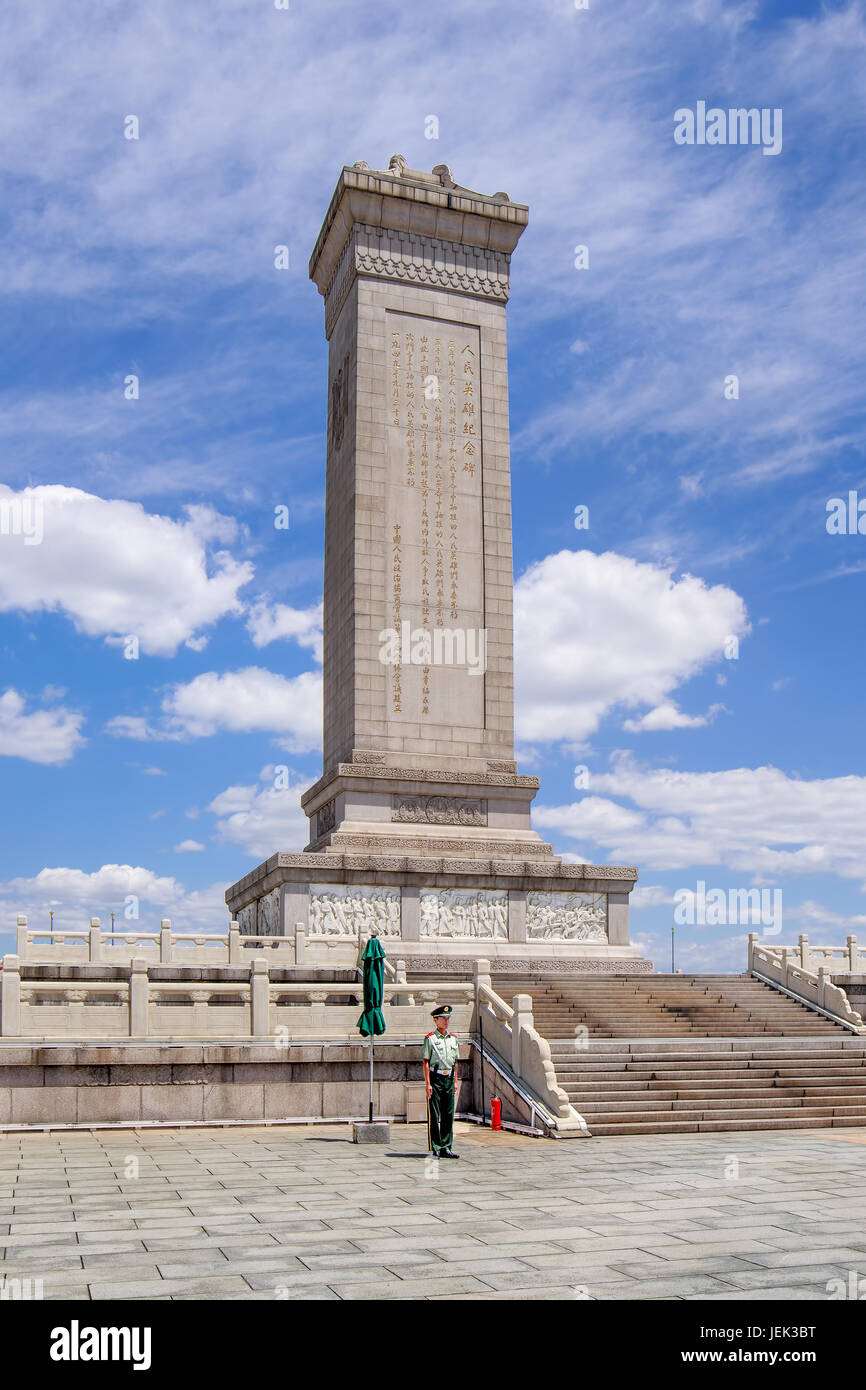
[440,1052]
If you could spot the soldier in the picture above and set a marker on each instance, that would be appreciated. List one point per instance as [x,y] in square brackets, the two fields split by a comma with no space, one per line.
[440,1078]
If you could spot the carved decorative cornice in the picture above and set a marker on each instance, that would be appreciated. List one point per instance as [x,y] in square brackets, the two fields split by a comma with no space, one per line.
[414,774]
[529,965]
[327,866]
[412,258]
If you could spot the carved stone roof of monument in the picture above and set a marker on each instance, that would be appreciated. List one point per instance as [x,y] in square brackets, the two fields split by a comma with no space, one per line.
[412,201]
[439,177]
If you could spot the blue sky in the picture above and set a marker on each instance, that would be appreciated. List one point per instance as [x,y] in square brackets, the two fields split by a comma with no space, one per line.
[155,257]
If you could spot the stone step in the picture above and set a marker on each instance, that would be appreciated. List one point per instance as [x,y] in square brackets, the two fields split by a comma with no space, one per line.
[677,1054]
[673,1078]
[720,1049]
[721,1086]
[700,1100]
[610,1129]
[576,1056]
[724,1103]
[845,1044]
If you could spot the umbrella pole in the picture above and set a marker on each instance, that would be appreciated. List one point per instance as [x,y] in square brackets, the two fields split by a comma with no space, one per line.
[371,1078]
[481,1035]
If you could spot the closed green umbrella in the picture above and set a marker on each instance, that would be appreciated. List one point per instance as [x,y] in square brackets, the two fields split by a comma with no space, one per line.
[372,1023]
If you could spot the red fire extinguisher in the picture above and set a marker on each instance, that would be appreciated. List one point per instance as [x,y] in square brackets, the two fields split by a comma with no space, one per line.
[495,1113]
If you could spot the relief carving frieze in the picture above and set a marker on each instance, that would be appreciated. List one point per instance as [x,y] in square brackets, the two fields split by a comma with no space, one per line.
[561,916]
[464,913]
[269,914]
[346,910]
[439,810]
[326,818]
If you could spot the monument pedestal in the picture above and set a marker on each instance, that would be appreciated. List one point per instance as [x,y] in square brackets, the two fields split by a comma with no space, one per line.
[420,825]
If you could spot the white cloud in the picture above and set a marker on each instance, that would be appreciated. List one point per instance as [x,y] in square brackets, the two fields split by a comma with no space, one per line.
[670,716]
[271,622]
[263,818]
[40,736]
[594,632]
[76,895]
[249,701]
[650,895]
[188,847]
[758,822]
[116,570]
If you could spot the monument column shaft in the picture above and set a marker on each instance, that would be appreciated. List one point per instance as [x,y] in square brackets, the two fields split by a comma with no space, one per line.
[418,656]
[420,536]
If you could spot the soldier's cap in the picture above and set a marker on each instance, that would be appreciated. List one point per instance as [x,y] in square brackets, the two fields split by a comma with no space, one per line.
[444,1011]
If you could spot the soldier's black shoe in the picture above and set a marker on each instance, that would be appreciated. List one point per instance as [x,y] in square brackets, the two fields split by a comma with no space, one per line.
[448,1153]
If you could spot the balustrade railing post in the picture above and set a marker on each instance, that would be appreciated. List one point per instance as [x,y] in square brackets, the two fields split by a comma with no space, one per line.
[10,998]
[260,997]
[753,946]
[300,941]
[805,953]
[400,979]
[94,941]
[139,997]
[21,938]
[165,952]
[851,943]
[482,976]
[234,943]
[522,1006]
[823,981]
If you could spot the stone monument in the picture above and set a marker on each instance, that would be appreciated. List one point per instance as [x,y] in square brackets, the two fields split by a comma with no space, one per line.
[420,824]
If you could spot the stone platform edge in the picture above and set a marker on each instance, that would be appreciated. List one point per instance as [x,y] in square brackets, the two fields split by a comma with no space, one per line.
[537,875]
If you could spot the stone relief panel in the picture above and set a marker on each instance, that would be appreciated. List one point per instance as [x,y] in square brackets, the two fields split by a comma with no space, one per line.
[246,920]
[339,404]
[338,910]
[439,810]
[566,917]
[326,818]
[269,914]
[464,913]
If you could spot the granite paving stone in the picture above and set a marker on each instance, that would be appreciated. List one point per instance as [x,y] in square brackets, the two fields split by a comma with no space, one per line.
[276,1212]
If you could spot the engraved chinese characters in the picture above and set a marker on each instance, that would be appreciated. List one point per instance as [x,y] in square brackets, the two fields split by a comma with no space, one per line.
[344,911]
[455,912]
[566,916]
[434,520]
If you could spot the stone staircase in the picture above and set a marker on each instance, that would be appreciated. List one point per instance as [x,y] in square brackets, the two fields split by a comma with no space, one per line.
[680,1053]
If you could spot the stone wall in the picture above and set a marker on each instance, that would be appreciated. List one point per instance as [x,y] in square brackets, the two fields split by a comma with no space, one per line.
[87,1085]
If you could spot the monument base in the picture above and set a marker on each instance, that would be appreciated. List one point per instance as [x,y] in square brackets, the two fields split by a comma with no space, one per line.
[527,916]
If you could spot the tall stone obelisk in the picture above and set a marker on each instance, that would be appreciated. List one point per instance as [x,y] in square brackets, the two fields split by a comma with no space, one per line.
[414,271]
[420,823]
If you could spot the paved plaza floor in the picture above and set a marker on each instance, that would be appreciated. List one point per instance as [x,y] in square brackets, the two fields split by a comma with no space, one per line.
[293,1212]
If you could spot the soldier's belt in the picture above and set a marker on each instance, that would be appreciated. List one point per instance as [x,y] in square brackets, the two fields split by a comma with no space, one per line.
[442,1071]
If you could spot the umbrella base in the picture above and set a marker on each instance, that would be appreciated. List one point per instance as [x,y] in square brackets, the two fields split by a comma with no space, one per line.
[371,1132]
